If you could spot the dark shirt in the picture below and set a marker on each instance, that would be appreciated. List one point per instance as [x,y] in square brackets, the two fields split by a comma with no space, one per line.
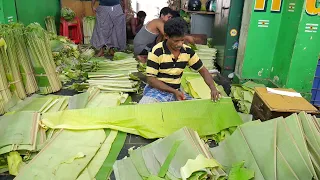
[109,2]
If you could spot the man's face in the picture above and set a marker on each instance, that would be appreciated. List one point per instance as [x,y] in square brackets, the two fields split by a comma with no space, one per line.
[175,43]
[166,17]
[141,19]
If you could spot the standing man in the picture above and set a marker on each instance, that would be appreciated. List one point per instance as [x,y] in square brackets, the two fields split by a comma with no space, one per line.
[146,37]
[166,63]
[110,28]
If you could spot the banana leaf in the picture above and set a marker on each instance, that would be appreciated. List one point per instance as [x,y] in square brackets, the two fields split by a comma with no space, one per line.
[125,169]
[199,164]
[199,89]
[238,172]
[106,168]
[97,161]
[138,161]
[18,131]
[165,118]
[78,101]
[14,163]
[65,156]
[170,158]
[286,151]
[243,94]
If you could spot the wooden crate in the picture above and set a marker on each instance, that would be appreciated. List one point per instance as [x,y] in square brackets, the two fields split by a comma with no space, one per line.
[266,106]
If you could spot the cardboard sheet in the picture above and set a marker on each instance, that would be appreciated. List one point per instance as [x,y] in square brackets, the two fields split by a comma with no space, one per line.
[281,103]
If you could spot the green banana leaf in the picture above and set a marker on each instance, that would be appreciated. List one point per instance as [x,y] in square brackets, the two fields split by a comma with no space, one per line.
[97,161]
[65,156]
[18,131]
[239,172]
[79,101]
[106,168]
[198,164]
[151,121]
[178,156]
[14,163]
[275,149]
[125,169]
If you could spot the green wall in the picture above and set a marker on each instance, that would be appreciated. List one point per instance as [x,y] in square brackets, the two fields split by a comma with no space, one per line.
[285,52]
[30,11]
[286,41]
[305,55]
[260,44]
[8,11]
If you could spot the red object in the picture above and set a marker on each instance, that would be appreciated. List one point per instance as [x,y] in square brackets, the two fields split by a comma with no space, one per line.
[71,29]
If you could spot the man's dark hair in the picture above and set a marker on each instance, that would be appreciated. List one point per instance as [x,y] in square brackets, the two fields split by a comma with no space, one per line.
[141,14]
[175,14]
[175,27]
[165,11]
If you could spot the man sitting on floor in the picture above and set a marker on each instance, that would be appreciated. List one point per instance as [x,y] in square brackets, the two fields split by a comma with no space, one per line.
[166,63]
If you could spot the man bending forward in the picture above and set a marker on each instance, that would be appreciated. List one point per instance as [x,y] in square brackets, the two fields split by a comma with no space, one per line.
[166,63]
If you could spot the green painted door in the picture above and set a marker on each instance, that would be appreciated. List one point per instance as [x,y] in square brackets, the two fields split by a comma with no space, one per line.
[258,40]
[7,11]
[30,11]
[305,53]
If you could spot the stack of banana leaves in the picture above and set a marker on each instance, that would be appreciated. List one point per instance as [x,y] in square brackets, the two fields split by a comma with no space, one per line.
[88,26]
[193,84]
[182,155]
[41,152]
[38,44]
[282,148]
[207,55]
[51,24]
[113,75]
[243,95]
[16,71]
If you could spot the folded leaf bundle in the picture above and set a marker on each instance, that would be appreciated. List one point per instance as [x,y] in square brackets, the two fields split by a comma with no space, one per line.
[178,156]
[5,93]
[275,149]
[24,60]
[18,131]
[243,95]
[42,60]
[88,26]
[63,158]
[10,62]
[51,24]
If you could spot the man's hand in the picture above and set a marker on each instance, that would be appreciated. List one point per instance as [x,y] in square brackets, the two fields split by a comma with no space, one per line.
[215,94]
[94,9]
[179,95]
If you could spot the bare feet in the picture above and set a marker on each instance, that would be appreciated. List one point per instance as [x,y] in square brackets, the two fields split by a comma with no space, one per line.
[111,52]
[101,52]
[142,58]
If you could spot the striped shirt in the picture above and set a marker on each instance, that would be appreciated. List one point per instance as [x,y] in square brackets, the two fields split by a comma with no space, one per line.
[162,64]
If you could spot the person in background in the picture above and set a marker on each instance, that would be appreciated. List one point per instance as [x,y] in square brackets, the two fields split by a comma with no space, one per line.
[166,63]
[146,37]
[135,24]
[110,27]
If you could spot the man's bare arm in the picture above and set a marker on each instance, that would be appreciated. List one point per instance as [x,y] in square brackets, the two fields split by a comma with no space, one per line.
[215,95]
[93,2]
[133,26]
[160,28]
